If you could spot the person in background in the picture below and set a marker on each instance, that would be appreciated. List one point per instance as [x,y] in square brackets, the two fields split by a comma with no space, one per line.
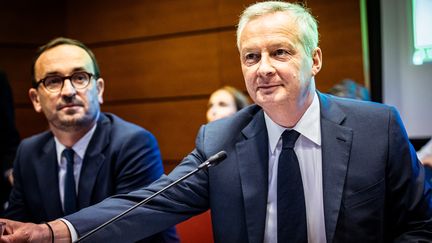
[225,102]
[425,154]
[425,157]
[301,166]
[86,155]
[9,139]
[350,89]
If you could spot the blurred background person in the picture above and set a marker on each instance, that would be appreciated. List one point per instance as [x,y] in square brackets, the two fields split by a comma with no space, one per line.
[348,88]
[225,102]
[425,154]
[9,139]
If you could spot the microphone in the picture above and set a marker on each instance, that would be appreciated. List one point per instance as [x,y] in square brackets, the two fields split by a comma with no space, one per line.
[212,161]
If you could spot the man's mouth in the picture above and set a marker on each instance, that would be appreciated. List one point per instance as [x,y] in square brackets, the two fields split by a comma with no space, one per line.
[69,105]
[268,86]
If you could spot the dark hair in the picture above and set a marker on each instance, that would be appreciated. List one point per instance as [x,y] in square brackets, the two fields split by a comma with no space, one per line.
[240,99]
[62,41]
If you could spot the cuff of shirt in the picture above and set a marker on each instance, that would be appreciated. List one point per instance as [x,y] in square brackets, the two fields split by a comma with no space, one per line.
[72,231]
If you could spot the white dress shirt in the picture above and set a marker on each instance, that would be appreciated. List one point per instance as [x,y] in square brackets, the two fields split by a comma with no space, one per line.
[308,151]
[79,148]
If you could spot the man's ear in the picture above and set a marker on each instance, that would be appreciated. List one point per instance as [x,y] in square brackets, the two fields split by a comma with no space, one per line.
[100,85]
[34,97]
[316,61]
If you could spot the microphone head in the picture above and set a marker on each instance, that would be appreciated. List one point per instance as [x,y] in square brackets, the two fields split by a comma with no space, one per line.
[217,158]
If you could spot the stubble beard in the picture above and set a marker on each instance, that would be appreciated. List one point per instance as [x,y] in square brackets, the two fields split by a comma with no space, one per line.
[70,124]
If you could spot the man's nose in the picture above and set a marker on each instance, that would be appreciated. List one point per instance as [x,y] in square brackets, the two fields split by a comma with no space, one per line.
[266,66]
[68,89]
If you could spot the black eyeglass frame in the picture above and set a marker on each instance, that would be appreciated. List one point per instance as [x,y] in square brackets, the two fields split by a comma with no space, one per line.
[63,78]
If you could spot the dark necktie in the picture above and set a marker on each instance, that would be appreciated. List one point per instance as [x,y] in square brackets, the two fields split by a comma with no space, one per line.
[70,200]
[291,209]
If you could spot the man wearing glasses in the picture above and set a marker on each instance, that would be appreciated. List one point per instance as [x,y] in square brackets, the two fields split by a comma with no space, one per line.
[86,155]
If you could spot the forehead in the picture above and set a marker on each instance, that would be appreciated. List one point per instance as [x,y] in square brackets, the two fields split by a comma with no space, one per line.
[63,59]
[222,95]
[272,28]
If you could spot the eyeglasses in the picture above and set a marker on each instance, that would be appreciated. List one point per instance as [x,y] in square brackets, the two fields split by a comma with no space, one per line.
[54,83]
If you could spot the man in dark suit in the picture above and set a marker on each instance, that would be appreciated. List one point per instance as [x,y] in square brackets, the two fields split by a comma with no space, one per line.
[356,176]
[109,155]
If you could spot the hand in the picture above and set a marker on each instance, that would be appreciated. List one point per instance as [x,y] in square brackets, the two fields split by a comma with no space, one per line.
[9,176]
[427,161]
[25,232]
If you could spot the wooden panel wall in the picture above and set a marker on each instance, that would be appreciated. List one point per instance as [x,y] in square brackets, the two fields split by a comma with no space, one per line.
[162,59]
[24,25]
[340,41]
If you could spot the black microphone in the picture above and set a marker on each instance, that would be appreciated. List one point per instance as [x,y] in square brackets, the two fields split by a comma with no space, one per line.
[212,161]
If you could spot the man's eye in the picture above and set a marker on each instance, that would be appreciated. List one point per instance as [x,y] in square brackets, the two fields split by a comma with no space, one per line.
[79,78]
[251,57]
[281,52]
[53,80]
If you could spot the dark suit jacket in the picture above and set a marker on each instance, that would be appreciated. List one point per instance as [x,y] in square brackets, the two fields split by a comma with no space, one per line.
[374,187]
[120,157]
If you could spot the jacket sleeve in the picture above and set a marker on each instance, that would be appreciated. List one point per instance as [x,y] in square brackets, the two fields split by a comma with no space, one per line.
[177,204]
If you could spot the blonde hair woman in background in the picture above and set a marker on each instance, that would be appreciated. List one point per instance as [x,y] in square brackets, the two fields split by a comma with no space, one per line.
[225,102]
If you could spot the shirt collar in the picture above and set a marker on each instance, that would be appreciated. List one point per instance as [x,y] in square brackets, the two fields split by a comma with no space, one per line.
[308,126]
[79,147]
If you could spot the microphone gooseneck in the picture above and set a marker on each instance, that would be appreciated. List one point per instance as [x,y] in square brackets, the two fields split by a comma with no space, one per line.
[212,161]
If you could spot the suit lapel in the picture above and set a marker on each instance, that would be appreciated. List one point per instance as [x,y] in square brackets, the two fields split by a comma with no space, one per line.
[252,155]
[336,145]
[92,161]
[46,169]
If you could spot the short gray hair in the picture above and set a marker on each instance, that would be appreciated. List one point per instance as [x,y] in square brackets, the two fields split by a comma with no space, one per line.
[302,17]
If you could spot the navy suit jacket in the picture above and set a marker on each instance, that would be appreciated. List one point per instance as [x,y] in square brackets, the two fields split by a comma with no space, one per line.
[374,188]
[121,157]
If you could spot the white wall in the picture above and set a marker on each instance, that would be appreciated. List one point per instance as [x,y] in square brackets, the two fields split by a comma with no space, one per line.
[406,86]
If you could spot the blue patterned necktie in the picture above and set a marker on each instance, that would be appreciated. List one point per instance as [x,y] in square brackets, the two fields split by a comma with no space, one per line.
[291,209]
[70,199]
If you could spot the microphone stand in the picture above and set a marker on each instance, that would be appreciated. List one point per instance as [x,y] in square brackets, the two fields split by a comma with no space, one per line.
[212,161]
